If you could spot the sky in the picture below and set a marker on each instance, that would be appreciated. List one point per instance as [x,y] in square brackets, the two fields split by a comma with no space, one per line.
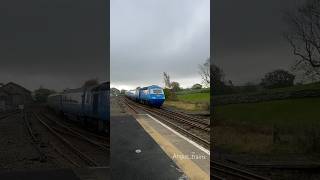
[59,44]
[149,37]
[55,44]
[248,38]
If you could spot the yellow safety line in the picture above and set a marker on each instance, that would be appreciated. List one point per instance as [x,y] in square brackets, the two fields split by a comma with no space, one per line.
[193,171]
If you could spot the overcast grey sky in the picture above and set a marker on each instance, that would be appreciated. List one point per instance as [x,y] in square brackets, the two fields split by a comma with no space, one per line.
[57,44]
[149,37]
[248,40]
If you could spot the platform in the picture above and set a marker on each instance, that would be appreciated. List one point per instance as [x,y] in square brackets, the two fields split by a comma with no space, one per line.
[136,155]
[191,158]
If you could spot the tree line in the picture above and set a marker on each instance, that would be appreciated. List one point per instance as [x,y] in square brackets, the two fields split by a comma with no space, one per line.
[41,94]
[303,36]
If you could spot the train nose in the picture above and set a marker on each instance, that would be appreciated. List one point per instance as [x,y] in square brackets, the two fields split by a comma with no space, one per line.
[156,102]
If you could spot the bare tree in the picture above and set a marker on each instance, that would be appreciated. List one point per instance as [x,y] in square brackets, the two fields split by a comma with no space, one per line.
[166,79]
[304,37]
[204,71]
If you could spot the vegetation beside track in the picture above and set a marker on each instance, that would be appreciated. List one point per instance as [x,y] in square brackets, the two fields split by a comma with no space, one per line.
[272,127]
[191,100]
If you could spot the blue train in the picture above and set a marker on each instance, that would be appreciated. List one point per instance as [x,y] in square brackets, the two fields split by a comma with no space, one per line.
[89,105]
[150,95]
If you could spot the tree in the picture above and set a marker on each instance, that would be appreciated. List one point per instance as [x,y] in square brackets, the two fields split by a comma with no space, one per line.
[91,82]
[170,95]
[41,94]
[217,76]
[196,86]
[278,78]
[115,91]
[304,37]
[175,86]
[204,71]
[123,91]
[166,79]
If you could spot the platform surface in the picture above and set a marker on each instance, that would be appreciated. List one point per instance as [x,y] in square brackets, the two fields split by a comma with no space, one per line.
[135,154]
[192,158]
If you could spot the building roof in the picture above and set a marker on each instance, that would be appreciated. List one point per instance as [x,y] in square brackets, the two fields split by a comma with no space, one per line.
[14,85]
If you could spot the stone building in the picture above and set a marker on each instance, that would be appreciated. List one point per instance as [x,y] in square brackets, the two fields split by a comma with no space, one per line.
[12,95]
[3,100]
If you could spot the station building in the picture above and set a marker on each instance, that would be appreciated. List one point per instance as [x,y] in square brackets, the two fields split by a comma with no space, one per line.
[12,95]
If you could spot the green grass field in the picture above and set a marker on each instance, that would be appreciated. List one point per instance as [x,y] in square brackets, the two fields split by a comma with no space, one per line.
[194,97]
[191,100]
[250,127]
[281,112]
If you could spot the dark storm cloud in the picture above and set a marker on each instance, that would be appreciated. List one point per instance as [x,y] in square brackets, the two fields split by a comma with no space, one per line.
[149,37]
[248,37]
[56,44]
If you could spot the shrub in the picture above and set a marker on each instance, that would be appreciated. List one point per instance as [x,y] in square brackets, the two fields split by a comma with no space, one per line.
[277,79]
[170,95]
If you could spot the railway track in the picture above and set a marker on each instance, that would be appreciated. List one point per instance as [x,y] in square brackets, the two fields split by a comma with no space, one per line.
[223,171]
[35,140]
[5,115]
[184,119]
[95,140]
[88,133]
[164,116]
[177,116]
[183,115]
[63,134]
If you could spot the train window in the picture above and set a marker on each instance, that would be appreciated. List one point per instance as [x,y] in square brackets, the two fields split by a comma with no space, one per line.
[156,91]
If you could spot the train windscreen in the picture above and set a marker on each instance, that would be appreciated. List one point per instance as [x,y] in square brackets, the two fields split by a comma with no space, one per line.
[156,91]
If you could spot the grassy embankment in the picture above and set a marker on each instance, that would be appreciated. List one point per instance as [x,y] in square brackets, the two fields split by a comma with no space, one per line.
[191,100]
[271,127]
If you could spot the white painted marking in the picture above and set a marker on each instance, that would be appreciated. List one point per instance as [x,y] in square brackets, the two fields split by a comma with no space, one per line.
[180,135]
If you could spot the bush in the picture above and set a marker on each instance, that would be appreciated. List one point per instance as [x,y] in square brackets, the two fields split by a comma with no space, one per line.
[196,86]
[41,94]
[277,79]
[170,95]
[175,86]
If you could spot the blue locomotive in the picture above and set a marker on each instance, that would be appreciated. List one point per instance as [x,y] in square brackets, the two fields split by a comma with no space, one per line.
[150,95]
[89,105]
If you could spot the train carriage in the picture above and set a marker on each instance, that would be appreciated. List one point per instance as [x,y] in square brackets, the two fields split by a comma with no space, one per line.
[89,105]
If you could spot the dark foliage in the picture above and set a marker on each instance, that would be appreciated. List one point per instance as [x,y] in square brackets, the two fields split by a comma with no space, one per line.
[277,79]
